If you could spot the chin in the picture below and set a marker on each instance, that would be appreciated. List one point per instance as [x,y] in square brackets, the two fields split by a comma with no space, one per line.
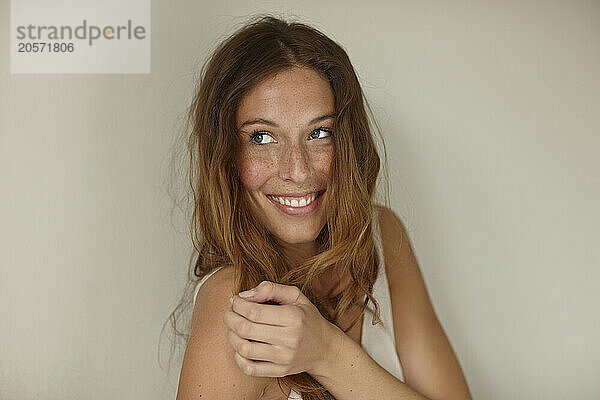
[299,238]
[298,234]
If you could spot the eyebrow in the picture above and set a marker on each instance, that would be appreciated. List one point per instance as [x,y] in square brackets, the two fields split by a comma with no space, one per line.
[271,123]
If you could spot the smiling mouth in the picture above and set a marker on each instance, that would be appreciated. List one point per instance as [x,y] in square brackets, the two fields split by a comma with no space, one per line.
[296,202]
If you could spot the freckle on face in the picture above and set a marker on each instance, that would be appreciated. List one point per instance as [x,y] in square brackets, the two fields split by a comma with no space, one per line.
[288,160]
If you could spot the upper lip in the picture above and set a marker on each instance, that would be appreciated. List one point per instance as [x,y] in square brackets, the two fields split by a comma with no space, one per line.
[301,194]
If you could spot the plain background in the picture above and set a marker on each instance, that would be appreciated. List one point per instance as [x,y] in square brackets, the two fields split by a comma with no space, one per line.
[490,113]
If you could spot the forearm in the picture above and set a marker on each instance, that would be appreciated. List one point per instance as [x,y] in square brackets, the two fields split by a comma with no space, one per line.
[349,373]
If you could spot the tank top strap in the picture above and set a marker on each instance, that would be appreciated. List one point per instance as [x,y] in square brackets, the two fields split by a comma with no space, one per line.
[379,340]
[377,233]
[204,278]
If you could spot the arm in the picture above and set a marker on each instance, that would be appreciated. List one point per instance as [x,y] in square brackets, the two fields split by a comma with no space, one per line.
[209,370]
[428,361]
[349,373]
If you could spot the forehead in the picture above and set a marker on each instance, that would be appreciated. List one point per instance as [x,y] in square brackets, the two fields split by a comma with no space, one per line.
[296,94]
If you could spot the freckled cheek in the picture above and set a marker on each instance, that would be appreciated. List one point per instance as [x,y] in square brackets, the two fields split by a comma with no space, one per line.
[325,161]
[254,171]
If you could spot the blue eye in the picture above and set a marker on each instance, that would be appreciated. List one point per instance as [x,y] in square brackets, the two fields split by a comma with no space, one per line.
[321,129]
[258,134]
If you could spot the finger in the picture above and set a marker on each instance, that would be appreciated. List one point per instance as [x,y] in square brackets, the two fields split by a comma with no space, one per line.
[258,351]
[260,368]
[282,294]
[278,315]
[250,330]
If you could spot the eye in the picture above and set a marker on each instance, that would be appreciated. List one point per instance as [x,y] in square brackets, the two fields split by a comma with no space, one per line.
[313,135]
[319,130]
[259,135]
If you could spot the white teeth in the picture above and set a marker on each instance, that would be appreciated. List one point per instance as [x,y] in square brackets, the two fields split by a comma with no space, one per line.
[294,202]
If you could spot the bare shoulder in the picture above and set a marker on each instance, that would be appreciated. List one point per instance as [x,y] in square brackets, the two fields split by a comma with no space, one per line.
[214,288]
[209,370]
[398,252]
[428,361]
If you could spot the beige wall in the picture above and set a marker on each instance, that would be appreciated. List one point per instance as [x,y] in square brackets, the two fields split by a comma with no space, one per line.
[491,117]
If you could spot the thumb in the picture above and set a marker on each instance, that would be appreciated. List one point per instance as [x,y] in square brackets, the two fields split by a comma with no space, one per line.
[268,291]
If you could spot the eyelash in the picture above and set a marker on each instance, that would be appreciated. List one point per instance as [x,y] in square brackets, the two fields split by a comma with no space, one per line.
[258,132]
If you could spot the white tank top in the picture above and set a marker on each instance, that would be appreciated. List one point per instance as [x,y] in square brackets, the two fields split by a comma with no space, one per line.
[377,341]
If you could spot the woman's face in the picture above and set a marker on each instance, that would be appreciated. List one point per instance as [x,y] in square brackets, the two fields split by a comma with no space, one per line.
[285,126]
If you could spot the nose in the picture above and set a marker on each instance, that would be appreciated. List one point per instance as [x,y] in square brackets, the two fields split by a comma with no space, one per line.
[295,163]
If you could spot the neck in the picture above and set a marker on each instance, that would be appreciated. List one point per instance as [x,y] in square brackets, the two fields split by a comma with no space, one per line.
[299,252]
[329,281]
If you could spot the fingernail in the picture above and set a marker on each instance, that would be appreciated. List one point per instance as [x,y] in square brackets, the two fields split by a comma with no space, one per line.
[231,299]
[247,293]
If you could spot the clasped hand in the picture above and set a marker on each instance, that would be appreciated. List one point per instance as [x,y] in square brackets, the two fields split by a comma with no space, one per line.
[275,340]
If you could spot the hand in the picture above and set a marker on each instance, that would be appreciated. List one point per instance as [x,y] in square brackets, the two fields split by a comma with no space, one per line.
[295,336]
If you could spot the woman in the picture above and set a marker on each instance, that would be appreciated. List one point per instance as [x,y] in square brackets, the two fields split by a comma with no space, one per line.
[284,168]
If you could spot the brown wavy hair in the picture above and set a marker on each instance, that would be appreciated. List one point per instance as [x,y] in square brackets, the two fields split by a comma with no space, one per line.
[223,229]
